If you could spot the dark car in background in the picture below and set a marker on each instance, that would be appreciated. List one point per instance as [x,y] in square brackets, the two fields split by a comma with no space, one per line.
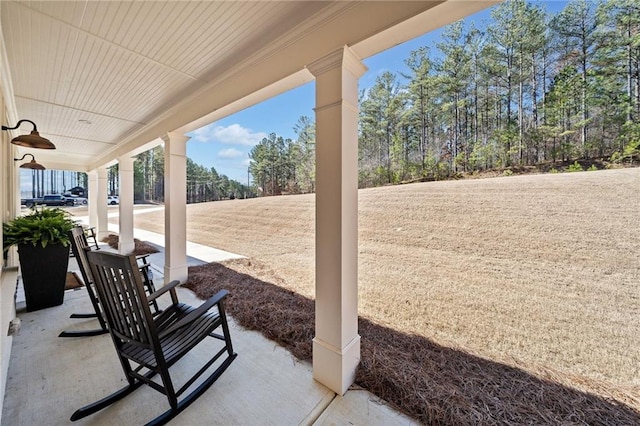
[52,200]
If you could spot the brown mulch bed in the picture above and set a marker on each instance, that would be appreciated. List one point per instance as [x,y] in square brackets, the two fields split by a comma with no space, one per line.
[429,382]
[141,247]
[73,281]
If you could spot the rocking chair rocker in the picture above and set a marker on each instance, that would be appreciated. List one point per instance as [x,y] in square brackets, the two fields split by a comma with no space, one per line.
[148,345]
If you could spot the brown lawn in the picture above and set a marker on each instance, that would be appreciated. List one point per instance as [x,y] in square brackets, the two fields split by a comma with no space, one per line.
[539,272]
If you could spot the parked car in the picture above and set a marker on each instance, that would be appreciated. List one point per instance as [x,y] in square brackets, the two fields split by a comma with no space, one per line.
[112,200]
[79,200]
[49,200]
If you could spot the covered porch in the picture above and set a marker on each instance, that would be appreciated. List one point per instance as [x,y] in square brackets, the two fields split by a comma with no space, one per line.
[50,377]
[105,81]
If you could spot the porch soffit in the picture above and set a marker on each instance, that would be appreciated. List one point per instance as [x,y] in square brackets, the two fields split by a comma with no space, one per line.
[136,70]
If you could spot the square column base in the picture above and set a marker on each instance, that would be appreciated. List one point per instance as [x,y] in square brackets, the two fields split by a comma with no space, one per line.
[335,368]
[172,273]
[102,235]
[126,247]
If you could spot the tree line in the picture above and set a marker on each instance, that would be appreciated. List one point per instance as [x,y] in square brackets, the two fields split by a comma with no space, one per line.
[529,88]
[52,182]
[281,165]
[203,184]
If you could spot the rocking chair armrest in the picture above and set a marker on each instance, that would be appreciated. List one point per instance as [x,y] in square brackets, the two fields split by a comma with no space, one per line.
[196,313]
[162,290]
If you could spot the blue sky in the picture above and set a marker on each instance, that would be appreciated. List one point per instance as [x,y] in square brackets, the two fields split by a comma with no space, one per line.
[226,143]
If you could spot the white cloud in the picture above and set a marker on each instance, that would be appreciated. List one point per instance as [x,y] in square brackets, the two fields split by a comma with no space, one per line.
[234,134]
[230,153]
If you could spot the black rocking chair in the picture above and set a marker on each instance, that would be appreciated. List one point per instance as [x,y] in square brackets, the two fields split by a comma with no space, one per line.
[148,345]
[79,247]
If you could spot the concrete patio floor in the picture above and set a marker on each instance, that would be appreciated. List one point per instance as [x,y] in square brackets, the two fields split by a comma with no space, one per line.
[50,377]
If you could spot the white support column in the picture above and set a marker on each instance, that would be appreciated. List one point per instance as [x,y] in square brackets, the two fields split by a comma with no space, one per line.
[336,346]
[13,201]
[99,201]
[125,192]
[9,189]
[92,198]
[175,207]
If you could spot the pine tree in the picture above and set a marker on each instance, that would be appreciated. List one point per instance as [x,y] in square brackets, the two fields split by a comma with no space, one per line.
[575,28]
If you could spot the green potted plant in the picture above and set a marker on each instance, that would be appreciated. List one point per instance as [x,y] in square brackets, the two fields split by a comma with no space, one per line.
[43,242]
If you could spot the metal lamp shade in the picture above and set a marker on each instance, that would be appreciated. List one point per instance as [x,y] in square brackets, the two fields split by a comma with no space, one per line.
[32,165]
[33,140]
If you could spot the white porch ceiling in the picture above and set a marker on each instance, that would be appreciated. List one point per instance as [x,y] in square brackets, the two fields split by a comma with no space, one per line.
[136,70]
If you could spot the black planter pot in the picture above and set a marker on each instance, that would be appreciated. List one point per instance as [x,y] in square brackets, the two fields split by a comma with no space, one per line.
[44,273]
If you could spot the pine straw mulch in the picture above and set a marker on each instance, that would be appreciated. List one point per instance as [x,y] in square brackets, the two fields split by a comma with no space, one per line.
[141,247]
[431,383]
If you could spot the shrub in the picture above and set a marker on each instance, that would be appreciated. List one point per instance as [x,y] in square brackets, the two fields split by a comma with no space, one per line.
[41,227]
[575,167]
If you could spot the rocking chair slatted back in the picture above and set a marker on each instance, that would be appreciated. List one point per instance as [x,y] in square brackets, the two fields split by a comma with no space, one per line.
[127,311]
[78,246]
